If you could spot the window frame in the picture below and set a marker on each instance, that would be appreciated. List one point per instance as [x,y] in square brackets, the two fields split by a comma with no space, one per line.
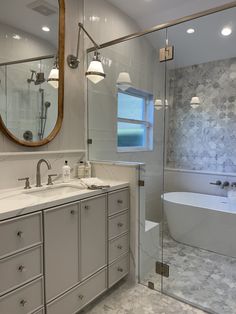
[147,122]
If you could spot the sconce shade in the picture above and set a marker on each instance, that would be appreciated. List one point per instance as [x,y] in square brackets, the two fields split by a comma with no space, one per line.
[95,72]
[53,78]
[195,102]
[158,104]
[124,81]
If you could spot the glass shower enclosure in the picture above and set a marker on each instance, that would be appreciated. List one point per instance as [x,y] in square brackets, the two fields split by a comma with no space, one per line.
[177,118]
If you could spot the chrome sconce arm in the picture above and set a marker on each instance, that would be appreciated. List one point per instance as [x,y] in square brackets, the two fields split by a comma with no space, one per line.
[73,60]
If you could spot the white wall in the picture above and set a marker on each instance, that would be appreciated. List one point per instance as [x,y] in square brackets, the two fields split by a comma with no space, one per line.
[179,180]
[140,59]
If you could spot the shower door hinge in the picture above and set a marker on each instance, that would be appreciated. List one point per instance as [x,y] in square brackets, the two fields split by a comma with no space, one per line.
[167,54]
[90,141]
[163,269]
[151,285]
[141,183]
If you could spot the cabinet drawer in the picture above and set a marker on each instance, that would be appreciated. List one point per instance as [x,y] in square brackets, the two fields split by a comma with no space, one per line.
[20,233]
[19,269]
[118,270]
[25,300]
[118,201]
[118,247]
[118,224]
[80,296]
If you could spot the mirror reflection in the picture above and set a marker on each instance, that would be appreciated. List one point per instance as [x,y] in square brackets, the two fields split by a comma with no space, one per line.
[29,68]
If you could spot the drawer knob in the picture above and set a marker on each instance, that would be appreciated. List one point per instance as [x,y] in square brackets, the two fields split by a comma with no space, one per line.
[23,302]
[86,207]
[119,247]
[72,212]
[20,234]
[21,268]
[81,297]
[119,269]
[120,201]
[120,224]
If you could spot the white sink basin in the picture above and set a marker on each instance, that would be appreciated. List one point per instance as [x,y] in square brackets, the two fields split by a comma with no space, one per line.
[54,190]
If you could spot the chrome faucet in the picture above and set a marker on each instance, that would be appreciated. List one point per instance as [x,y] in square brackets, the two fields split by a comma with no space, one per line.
[38,174]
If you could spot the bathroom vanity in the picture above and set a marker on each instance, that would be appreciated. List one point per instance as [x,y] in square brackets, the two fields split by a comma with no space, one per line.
[57,254]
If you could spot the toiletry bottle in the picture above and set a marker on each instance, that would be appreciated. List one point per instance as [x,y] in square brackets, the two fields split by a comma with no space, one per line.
[66,172]
[81,170]
[88,170]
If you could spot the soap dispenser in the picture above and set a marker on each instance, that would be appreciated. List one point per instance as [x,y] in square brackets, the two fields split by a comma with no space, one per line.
[81,170]
[88,170]
[66,172]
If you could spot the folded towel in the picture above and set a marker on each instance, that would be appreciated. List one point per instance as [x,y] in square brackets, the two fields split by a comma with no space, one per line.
[94,183]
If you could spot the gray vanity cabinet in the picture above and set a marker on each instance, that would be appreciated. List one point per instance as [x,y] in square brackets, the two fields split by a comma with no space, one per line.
[61,248]
[93,235]
[62,258]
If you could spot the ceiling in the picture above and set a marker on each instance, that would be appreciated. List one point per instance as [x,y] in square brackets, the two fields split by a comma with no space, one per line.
[148,13]
[206,44]
[17,14]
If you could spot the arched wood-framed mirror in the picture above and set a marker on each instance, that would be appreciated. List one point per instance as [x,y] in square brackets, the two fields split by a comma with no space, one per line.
[31,88]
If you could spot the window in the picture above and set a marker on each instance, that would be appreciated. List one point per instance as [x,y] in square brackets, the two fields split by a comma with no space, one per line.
[134,120]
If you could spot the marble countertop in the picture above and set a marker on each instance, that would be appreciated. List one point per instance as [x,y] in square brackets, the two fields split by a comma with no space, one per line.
[16,202]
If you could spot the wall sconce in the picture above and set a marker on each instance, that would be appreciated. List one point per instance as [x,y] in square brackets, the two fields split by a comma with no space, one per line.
[53,78]
[95,72]
[158,104]
[124,81]
[195,102]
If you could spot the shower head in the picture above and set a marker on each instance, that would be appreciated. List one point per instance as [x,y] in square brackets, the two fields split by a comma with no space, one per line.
[39,78]
[47,104]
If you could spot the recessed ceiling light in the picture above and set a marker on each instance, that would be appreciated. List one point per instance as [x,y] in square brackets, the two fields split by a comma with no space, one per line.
[16,36]
[190,30]
[94,18]
[46,29]
[226,31]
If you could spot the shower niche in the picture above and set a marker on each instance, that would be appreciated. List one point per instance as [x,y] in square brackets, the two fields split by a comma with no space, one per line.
[31,71]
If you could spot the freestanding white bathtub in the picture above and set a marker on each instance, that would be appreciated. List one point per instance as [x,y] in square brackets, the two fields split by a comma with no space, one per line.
[204,221]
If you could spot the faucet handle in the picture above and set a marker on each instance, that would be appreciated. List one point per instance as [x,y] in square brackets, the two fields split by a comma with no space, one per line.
[27,182]
[50,178]
[218,183]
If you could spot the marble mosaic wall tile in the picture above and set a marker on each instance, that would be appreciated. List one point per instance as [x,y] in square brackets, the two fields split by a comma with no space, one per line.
[203,138]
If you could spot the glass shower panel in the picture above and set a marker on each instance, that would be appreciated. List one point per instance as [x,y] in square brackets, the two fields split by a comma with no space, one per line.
[199,230]
[125,125]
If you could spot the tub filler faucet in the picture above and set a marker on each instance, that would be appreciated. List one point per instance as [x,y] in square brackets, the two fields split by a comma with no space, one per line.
[218,183]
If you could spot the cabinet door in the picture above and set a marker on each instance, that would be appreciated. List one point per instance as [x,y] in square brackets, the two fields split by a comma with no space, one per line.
[93,235]
[61,249]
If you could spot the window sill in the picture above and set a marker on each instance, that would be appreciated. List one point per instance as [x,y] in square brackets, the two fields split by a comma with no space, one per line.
[133,149]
